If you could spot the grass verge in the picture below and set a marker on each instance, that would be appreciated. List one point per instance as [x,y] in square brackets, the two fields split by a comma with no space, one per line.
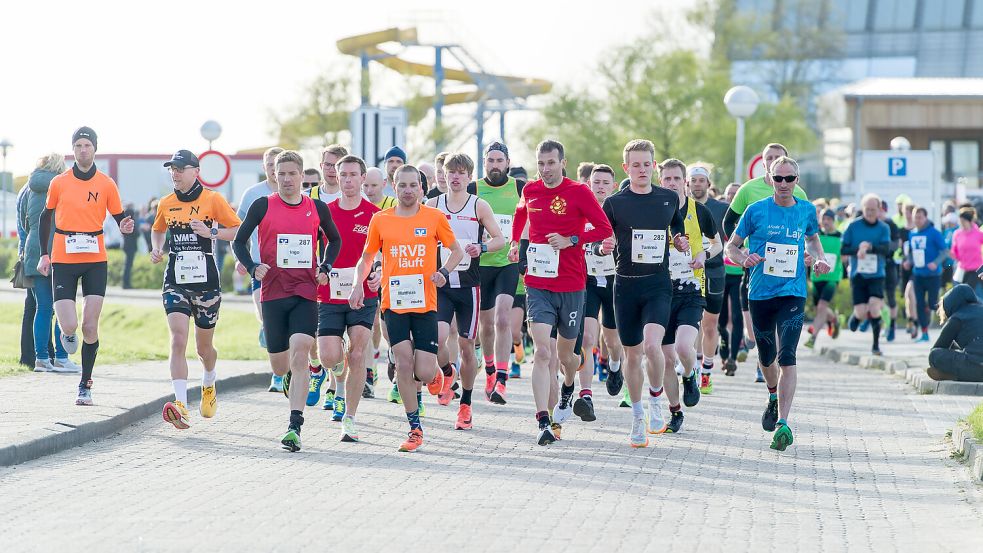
[975,420]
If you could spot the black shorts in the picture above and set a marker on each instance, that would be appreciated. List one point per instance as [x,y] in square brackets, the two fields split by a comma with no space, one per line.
[284,317]
[462,302]
[562,310]
[639,301]
[823,290]
[519,302]
[782,316]
[333,319]
[65,279]
[497,281]
[685,310]
[904,278]
[715,303]
[599,300]
[865,288]
[419,328]
[745,305]
[891,283]
[202,305]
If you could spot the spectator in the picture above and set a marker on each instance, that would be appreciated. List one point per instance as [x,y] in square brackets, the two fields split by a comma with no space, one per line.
[967,243]
[148,219]
[130,242]
[30,307]
[958,351]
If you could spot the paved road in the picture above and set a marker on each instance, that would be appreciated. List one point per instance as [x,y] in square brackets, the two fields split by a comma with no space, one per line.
[868,471]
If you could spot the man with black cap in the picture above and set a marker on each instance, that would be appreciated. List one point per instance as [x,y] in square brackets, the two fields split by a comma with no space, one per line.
[188,219]
[395,158]
[499,277]
[78,200]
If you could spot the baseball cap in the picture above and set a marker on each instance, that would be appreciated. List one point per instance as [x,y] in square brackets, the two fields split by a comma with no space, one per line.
[182,159]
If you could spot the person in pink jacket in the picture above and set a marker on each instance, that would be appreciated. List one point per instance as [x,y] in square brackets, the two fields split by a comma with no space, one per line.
[967,250]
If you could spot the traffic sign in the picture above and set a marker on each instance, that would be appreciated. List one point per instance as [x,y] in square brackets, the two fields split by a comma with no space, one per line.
[215,168]
[756,168]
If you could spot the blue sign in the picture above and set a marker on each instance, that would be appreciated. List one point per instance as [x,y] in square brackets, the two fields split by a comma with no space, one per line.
[897,167]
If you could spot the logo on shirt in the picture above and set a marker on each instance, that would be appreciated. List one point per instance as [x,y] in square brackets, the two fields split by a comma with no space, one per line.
[770,250]
[195,209]
[419,232]
[558,206]
[283,240]
[361,229]
[93,197]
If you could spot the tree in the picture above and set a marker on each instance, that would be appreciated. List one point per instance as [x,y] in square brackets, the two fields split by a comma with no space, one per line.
[581,123]
[319,117]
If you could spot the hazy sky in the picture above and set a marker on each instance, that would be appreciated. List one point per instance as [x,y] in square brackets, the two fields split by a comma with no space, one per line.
[146,75]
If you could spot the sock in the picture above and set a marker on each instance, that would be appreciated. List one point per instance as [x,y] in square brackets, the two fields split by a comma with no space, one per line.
[369,374]
[330,391]
[893,319]
[875,328]
[543,418]
[502,371]
[447,370]
[772,392]
[614,367]
[655,393]
[181,391]
[699,357]
[419,400]
[340,394]
[924,330]
[89,352]
[315,365]
[707,367]
[296,420]
[637,410]
[208,378]
[585,392]
[465,396]
[781,422]
[489,364]
[414,419]
[675,408]
[566,391]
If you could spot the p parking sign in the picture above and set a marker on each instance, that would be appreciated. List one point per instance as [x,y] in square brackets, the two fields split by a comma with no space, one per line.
[897,167]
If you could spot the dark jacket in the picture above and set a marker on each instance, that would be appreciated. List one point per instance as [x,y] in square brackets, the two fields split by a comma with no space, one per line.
[39,182]
[963,329]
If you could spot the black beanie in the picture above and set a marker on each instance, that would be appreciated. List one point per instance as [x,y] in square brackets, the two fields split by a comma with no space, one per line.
[88,133]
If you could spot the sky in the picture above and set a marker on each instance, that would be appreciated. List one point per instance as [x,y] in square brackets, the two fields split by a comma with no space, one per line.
[146,75]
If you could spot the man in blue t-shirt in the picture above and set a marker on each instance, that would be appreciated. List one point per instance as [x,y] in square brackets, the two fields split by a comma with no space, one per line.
[867,240]
[781,232]
[926,252]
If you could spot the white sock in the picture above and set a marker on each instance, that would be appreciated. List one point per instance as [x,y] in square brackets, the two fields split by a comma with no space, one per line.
[614,366]
[637,410]
[340,394]
[208,378]
[181,390]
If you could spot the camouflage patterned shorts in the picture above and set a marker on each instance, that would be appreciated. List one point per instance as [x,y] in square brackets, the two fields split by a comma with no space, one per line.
[202,305]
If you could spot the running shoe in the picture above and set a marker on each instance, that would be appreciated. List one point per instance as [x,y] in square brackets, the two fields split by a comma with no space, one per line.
[759,376]
[177,414]
[445,398]
[724,349]
[286,383]
[489,384]
[348,431]
[625,398]
[864,326]
[515,371]
[770,416]
[65,365]
[413,441]
[43,366]
[463,417]
[276,383]
[563,410]
[810,342]
[638,436]
[546,436]
[368,390]
[657,418]
[394,396]
[262,338]
[706,384]
[339,409]
[498,394]
[556,428]
[615,381]
[520,353]
[449,381]
[437,383]
[782,438]
[329,399]
[602,368]
[890,333]
[208,402]
[730,367]
[742,353]
[584,408]
[675,423]
[853,323]
[85,394]
[835,329]
[70,343]
[314,392]
[924,338]
[876,352]
[691,390]
[291,440]
[338,369]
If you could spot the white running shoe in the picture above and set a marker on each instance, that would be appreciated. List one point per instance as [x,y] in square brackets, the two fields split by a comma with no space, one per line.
[65,365]
[657,418]
[562,412]
[43,366]
[637,436]
[70,343]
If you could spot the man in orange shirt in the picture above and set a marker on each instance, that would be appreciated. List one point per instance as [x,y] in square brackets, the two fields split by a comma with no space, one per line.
[77,203]
[407,235]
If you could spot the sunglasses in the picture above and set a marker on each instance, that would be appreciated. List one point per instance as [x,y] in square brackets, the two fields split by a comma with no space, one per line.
[786,178]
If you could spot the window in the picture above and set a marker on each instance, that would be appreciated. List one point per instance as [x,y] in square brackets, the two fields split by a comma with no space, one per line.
[850,15]
[966,162]
[943,14]
[894,15]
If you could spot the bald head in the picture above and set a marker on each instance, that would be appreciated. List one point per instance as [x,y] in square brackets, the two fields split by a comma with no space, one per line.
[375,182]
[428,171]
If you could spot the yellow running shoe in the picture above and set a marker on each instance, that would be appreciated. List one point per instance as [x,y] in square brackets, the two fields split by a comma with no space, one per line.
[207,407]
[177,414]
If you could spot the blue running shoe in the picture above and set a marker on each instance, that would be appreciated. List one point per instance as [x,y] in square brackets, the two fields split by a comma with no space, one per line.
[314,392]
[262,338]
[864,325]
[890,333]
[759,377]
[515,371]
[339,409]
[329,400]
[276,384]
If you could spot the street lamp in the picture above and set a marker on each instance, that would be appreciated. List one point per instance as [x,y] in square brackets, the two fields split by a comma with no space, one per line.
[210,131]
[900,143]
[4,146]
[741,102]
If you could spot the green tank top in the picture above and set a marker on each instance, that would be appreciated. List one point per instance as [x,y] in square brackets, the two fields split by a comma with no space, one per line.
[502,200]
[831,247]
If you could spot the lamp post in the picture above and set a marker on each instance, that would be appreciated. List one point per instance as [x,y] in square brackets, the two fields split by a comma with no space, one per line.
[210,131]
[4,146]
[741,102]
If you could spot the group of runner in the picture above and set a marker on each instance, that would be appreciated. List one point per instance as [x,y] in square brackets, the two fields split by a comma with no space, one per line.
[338,266]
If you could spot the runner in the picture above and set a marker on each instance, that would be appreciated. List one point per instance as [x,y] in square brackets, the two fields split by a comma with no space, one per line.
[824,286]
[557,210]
[374,189]
[778,230]
[699,184]
[867,241]
[352,215]
[408,235]
[731,313]
[926,252]
[499,275]
[395,158]
[77,202]
[440,177]
[584,170]
[312,179]
[645,220]
[475,227]
[688,292]
[891,270]
[288,223]
[188,219]
[254,192]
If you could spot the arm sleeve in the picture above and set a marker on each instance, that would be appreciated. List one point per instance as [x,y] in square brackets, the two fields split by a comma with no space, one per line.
[677,225]
[730,222]
[330,231]
[950,330]
[45,228]
[707,225]
[519,220]
[595,216]
[240,245]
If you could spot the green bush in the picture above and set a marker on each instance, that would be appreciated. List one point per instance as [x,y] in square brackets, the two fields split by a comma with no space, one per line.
[147,275]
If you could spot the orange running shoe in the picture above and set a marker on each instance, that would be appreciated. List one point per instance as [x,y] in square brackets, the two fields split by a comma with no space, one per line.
[498,394]
[437,384]
[177,414]
[414,440]
[448,380]
[489,385]
[463,417]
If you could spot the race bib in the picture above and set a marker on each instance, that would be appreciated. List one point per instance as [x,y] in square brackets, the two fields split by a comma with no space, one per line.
[462,265]
[81,243]
[830,260]
[599,265]
[294,251]
[406,292]
[544,261]
[648,246]
[190,267]
[679,268]
[505,223]
[867,265]
[342,282]
[781,260]
[918,257]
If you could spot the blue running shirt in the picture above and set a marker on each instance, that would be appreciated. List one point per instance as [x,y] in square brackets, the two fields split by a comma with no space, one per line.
[778,234]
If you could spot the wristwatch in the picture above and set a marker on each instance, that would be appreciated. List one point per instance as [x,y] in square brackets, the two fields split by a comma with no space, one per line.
[574,240]
[444,272]
[214,232]
[484,248]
